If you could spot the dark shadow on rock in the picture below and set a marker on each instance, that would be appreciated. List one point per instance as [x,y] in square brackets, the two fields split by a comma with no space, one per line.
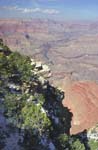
[68,118]
[59,115]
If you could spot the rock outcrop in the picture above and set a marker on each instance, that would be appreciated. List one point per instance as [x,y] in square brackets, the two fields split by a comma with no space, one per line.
[40,69]
[81,97]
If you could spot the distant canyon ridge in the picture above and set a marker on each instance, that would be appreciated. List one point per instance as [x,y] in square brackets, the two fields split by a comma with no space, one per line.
[71,51]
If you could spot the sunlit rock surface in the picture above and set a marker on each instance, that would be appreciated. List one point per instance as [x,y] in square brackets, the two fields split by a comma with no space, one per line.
[81,98]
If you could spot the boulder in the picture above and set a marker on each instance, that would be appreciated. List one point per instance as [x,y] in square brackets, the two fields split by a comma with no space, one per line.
[38,65]
[45,68]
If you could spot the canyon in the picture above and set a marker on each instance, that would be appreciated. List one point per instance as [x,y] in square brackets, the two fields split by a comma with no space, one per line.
[70,49]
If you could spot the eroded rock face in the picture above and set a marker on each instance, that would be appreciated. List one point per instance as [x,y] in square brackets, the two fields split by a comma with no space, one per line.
[81,98]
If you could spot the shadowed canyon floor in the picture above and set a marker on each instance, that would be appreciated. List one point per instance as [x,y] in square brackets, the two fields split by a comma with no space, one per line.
[69,48]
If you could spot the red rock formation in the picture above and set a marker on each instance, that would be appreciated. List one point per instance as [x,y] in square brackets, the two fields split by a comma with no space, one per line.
[81,98]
